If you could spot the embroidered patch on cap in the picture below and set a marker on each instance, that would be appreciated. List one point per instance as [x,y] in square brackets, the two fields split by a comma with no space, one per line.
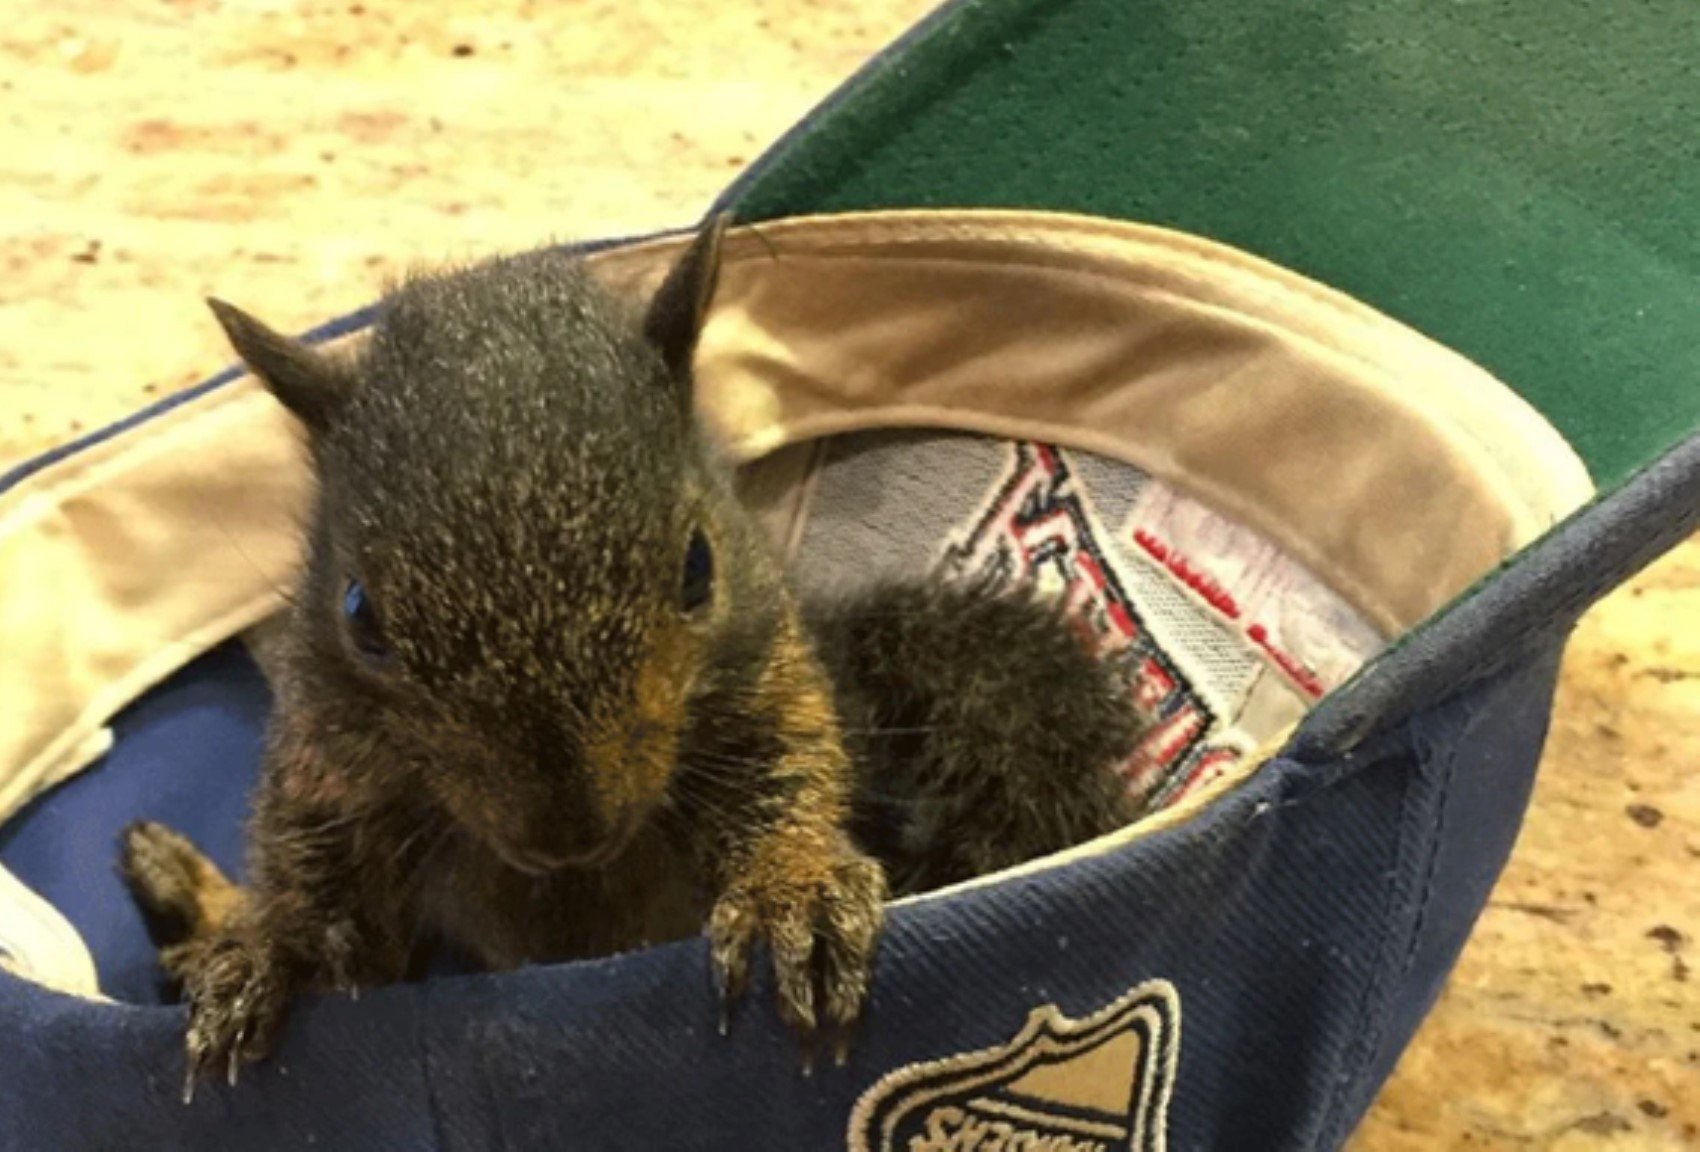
[1089,1085]
[1223,640]
[1039,526]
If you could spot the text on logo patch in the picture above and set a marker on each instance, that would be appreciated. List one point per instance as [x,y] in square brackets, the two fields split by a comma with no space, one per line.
[1094,1084]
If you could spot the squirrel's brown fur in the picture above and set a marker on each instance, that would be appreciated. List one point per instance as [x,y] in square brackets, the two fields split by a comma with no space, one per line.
[514,714]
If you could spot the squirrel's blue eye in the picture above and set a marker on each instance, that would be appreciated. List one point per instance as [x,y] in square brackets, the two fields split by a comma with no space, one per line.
[362,621]
[697,587]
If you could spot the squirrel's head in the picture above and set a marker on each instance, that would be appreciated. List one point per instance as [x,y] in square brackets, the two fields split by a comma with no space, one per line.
[526,569]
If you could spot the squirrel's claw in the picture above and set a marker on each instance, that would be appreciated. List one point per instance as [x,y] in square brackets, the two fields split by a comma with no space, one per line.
[821,927]
[731,938]
[236,998]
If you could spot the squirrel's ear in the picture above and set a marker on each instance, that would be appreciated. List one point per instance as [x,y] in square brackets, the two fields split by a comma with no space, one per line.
[308,382]
[677,310]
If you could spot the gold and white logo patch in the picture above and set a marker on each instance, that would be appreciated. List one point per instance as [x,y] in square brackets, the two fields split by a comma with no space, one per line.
[1060,1085]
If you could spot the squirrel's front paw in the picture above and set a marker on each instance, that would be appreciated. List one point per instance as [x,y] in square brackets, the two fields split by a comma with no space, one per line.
[237,990]
[819,906]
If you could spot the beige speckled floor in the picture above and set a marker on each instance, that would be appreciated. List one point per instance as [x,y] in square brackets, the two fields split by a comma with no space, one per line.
[289,155]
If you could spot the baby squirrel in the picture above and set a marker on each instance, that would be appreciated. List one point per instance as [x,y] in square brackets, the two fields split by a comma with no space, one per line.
[545,694]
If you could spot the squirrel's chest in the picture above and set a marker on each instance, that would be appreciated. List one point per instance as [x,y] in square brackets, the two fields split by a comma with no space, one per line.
[652,894]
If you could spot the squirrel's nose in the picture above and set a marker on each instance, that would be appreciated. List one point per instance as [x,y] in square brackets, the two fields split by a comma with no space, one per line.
[640,733]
